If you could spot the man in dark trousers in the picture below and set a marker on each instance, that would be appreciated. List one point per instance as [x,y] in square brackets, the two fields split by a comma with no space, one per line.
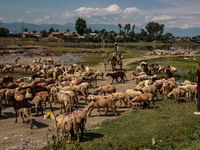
[198,91]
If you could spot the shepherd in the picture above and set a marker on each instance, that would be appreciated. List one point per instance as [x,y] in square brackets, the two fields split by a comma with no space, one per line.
[115,50]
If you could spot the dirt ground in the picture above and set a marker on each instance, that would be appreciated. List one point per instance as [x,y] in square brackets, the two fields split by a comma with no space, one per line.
[20,136]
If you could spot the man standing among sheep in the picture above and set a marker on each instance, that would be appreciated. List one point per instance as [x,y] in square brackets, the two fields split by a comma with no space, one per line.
[198,91]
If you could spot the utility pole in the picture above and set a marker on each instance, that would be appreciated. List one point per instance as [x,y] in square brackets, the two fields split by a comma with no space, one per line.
[22,27]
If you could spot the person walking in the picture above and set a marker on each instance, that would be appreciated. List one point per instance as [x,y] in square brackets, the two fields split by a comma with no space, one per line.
[115,50]
[198,91]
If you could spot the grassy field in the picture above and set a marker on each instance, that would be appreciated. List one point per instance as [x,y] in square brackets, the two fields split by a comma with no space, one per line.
[172,126]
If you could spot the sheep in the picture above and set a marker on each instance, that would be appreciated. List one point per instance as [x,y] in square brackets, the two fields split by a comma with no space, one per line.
[119,96]
[8,68]
[117,74]
[81,118]
[141,78]
[135,74]
[173,69]
[8,94]
[190,90]
[146,97]
[65,101]
[83,88]
[99,73]
[132,93]
[108,88]
[139,69]
[22,108]
[158,83]
[167,87]
[50,60]
[177,93]
[100,102]
[161,69]
[72,95]
[18,66]
[140,85]
[37,101]
[44,95]
[25,67]
[64,122]
[150,89]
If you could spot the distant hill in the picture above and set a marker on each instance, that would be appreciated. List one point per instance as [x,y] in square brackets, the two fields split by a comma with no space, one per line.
[16,27]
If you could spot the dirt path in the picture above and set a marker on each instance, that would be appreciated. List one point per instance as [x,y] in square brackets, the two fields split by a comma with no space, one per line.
[20,136]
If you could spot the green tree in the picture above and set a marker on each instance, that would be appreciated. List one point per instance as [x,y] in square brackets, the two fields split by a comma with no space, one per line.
[44,33]
[34,31]
[143,35]
[26,30]
[120,28]
[4,32]
[57,30]
[132,33]
[67,30]
[80,26]
[155,30]
[51,30]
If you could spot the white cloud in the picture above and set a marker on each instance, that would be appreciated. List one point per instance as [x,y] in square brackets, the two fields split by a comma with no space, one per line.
[2,19]
[28,11]
[182,14]
[19,20]
[112,14]
[131,10]
[162,18]
[44,19]
[113,8]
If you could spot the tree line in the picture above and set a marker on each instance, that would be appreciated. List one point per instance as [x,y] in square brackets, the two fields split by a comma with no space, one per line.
[152,31]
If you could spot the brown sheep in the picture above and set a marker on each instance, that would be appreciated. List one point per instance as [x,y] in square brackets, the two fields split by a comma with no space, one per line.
[146,97]
[177,93]
[101,102]
[24,108]
[108,88]
[81,118]
[44,95]
[64,122]
[8,68]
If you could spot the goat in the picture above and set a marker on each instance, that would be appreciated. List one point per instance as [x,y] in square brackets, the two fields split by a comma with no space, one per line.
[117,74]
[22,107]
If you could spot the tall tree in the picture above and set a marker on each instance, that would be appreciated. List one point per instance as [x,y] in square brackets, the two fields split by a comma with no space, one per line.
[26,30]
[34,31]
[4,32]
[132,33]
[80,26]
[155,30]
[51,30]
[44,33]
[120,28]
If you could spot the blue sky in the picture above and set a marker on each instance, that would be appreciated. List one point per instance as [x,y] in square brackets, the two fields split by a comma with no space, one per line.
[172,13]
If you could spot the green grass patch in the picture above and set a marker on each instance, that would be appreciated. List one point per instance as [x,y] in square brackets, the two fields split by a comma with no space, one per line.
[172,125]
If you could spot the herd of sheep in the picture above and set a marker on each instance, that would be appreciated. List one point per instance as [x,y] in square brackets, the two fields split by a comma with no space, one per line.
[63,85]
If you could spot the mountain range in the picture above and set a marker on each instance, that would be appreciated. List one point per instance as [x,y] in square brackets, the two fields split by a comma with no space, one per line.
[16,27]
